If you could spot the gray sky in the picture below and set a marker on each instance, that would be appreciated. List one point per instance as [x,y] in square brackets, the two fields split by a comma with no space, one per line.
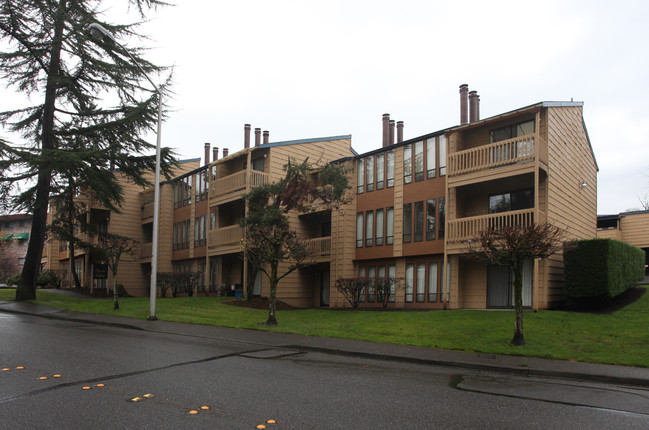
[303,68]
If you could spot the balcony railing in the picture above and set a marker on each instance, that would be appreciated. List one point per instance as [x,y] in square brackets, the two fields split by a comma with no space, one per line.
[503,153]
[320,247]
[237,182]
[225,236]
[464,229]
[146,250]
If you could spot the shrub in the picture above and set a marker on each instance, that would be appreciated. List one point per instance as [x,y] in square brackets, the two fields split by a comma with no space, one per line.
[178,282]
[353,289]
[601,268]
[48,278]
[13,279]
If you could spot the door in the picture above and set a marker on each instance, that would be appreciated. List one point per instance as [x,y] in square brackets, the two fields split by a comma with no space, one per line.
[324,288]
[500,287]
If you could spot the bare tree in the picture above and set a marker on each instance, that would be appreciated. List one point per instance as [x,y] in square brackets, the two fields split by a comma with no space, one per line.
[512,246]
[111,248]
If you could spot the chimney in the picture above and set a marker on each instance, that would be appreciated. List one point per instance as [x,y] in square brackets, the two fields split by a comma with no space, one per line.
[391,133]
[474,106]
[386,121]
[207,153]
[266,137]
[464,90]
[257,136]
[246,136]
[226,151]
[399,131]
[215,153]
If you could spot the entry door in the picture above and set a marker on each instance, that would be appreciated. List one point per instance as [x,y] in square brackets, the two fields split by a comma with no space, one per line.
[324,288]
[500,287]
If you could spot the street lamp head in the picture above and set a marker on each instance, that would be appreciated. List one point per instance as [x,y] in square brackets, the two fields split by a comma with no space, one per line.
[100,34]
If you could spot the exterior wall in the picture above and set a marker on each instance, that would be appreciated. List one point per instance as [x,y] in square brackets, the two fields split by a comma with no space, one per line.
[13,229]
[633,228]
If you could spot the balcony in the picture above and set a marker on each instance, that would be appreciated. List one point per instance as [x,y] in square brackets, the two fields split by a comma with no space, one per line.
[461,230]
[225,240]
[320,248]
[233,186]
[496,158]
[146,250]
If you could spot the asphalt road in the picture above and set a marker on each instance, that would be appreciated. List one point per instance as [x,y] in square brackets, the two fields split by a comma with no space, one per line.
[136,379]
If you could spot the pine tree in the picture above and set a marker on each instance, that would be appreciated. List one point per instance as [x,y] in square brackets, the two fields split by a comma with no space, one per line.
[73,130]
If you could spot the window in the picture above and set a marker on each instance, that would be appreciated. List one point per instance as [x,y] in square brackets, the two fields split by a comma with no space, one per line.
[432,282]
[407,222]
[359,230]
[511,201]
[430,219]
[431,165]
[369,228]
[380,171]
[371,293]
[199,231]
[511,131]
[419,161]
[389,225]
[379,227]
[392,273]
[407,164]
[213,219]
[369,174]
[258,164]
[360,176]
[442,218]
[390,168]
[361,274]
[442,155]
[410,274]
[419,221]
[421,282]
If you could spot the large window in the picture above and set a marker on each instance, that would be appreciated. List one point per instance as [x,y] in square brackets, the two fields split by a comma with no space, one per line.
[431,157]
[369,228]
[410,280]
[442,218]
[430,219]
[360,176]
[379,227]
[371,291]
[407,164]
[442,155]
[359,230]
[511,201]
[421,282]
[407,222]
[419,161]
[511,131]
[389,225]
[432,281]
[380,170]
[369,173]
[419,221]
[390,168]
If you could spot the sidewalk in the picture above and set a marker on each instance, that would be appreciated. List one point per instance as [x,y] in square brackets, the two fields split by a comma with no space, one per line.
[524,366]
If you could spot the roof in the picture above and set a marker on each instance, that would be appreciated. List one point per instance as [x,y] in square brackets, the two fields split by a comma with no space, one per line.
[299,141]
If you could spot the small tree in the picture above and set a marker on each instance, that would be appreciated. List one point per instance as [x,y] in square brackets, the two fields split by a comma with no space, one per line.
[111,248]
[269,239]
[385,287]
[353,289]
[512,246]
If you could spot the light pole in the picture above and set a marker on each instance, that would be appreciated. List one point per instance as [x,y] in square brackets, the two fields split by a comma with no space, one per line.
[98,32]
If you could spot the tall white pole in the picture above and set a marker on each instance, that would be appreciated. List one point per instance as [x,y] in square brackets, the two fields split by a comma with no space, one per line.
[156,219]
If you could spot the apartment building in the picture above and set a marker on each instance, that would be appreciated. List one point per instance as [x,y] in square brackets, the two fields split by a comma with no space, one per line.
[14,237]
[420,201]
[631,227]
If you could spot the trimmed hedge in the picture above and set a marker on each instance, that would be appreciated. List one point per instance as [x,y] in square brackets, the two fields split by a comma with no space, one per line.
[601,268]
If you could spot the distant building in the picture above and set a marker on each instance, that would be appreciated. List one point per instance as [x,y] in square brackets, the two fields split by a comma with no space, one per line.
[14,234]
[631,227]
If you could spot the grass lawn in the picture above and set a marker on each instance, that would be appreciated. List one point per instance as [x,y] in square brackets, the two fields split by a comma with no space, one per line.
[618,338]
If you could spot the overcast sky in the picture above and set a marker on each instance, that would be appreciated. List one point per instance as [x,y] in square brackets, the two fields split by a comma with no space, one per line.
[302,69]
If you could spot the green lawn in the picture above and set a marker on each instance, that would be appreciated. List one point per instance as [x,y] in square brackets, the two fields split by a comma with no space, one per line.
[620,338]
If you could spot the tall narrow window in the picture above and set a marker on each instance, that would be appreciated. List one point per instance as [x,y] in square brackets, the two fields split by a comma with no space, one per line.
[431,165]
[390,168]
[442,217]
[442,155]
[371,291]
[419,161]
[392,273]
[407,222]
[419,221]
[410,279]
[379,228]
[380,170]
[421,282]
[369,228]
[196,232]
[360,176]
[359,230]
[389,225]
[369,173]
[432,281]
[407,164]
[361,274]
[430,219]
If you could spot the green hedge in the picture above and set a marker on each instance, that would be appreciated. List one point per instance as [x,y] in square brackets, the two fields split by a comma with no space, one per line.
[601,268]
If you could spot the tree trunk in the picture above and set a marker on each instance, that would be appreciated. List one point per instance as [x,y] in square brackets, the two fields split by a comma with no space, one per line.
[115,295]
[272,300]
[27,286]
[518,339]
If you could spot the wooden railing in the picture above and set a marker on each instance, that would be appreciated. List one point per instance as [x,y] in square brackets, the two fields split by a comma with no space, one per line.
[464,229]
[237,182]
[147,212]
[146,250]
[503,153]
[320,247]
[225,236]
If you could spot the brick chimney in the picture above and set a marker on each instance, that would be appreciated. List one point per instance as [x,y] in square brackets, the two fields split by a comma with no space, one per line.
[246,136]
[474,106]
[399,131]
[226,151]
[257,136]
[266,136]
[386,126]
[391,133]
[215,154]
[464,90]
[207,153]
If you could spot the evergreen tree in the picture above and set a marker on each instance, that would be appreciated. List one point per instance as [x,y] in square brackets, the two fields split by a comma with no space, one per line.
[93,106]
